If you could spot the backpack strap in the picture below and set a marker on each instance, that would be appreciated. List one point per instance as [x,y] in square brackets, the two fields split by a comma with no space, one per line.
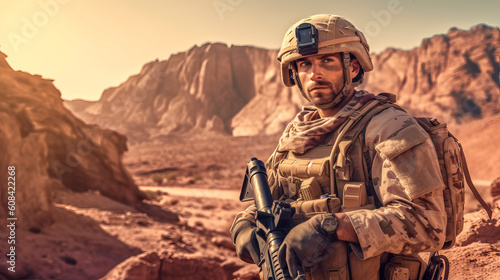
[358,119]
[469,182]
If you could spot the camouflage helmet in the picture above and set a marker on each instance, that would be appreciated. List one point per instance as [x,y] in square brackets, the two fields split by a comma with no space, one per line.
[333,34]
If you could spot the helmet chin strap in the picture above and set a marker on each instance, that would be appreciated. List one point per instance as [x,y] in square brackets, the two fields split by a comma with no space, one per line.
[344,92]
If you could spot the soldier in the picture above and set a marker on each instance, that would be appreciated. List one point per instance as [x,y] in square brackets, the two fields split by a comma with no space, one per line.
[365,183]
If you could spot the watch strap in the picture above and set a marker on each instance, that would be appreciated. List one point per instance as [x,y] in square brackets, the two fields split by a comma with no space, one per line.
[333,236]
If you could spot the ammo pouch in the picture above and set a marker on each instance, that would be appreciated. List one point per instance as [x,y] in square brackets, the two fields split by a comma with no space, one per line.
[355,197]
[335,265]
[306,209]
[303,178]
[404,267]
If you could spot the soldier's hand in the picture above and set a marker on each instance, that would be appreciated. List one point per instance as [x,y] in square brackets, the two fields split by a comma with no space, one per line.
[305,245]
[245,238]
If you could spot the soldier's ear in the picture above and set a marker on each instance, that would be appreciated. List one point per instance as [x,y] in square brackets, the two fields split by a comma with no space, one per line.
[355,67]
[292,76]
[292,72]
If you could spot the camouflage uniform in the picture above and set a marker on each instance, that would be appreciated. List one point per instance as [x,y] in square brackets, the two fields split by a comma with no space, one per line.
[407,181]
[392,159]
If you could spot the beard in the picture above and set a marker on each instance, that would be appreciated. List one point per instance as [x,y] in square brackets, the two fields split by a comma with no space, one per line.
[326,95]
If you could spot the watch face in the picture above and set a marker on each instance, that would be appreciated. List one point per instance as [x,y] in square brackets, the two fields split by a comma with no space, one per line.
[330,224]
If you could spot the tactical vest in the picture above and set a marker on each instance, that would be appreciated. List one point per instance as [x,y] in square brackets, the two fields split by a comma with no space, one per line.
[335,177]
[314,185]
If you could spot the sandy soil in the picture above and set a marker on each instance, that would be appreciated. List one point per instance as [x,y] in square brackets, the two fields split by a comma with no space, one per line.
[92,234]
[199,182]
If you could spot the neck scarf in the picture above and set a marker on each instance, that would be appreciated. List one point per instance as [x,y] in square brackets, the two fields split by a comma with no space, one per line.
[307,130]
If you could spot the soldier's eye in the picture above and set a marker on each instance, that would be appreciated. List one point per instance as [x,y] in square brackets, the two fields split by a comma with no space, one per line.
[304,63]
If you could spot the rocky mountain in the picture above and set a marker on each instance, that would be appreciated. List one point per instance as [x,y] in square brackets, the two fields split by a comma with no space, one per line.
[455,77]
[237,89]
[213,88]
[46,148]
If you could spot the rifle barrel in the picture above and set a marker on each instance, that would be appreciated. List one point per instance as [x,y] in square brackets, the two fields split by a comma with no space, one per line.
[262,192]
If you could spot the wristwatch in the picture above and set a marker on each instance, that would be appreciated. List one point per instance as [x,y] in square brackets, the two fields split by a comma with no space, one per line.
[329,225]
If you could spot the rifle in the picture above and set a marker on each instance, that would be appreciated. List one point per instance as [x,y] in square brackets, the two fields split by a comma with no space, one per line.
[273,217]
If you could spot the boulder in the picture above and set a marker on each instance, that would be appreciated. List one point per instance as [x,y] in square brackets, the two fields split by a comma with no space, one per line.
[145,266]
[45,147]
[152,266]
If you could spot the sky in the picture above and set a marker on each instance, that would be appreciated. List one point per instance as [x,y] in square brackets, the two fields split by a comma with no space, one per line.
[87,46]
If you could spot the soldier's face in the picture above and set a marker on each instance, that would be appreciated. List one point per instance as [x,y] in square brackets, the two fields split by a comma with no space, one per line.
[322,76]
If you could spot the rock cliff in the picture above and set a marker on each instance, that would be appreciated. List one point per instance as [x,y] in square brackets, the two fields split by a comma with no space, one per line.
[213,88]
[237,89]
[49,148]
[454,76]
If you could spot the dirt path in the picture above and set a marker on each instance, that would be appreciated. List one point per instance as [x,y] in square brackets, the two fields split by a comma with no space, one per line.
[195,192]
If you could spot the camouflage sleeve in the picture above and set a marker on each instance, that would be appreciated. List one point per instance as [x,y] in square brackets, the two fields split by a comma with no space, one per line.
[406,176]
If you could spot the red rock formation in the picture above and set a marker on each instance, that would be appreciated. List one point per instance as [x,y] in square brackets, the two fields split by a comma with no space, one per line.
[51,148]
[238,89]
[453,76]
[202,90]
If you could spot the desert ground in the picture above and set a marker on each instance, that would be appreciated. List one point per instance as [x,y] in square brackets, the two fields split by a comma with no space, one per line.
[193,188]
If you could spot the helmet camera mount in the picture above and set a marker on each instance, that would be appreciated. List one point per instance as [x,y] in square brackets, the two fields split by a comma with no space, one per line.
[307,39]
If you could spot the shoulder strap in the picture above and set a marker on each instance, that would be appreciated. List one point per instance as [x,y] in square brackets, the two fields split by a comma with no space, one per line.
[469,182]
[364,114]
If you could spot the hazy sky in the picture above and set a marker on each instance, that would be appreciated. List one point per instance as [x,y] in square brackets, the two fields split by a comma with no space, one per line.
[89,45]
